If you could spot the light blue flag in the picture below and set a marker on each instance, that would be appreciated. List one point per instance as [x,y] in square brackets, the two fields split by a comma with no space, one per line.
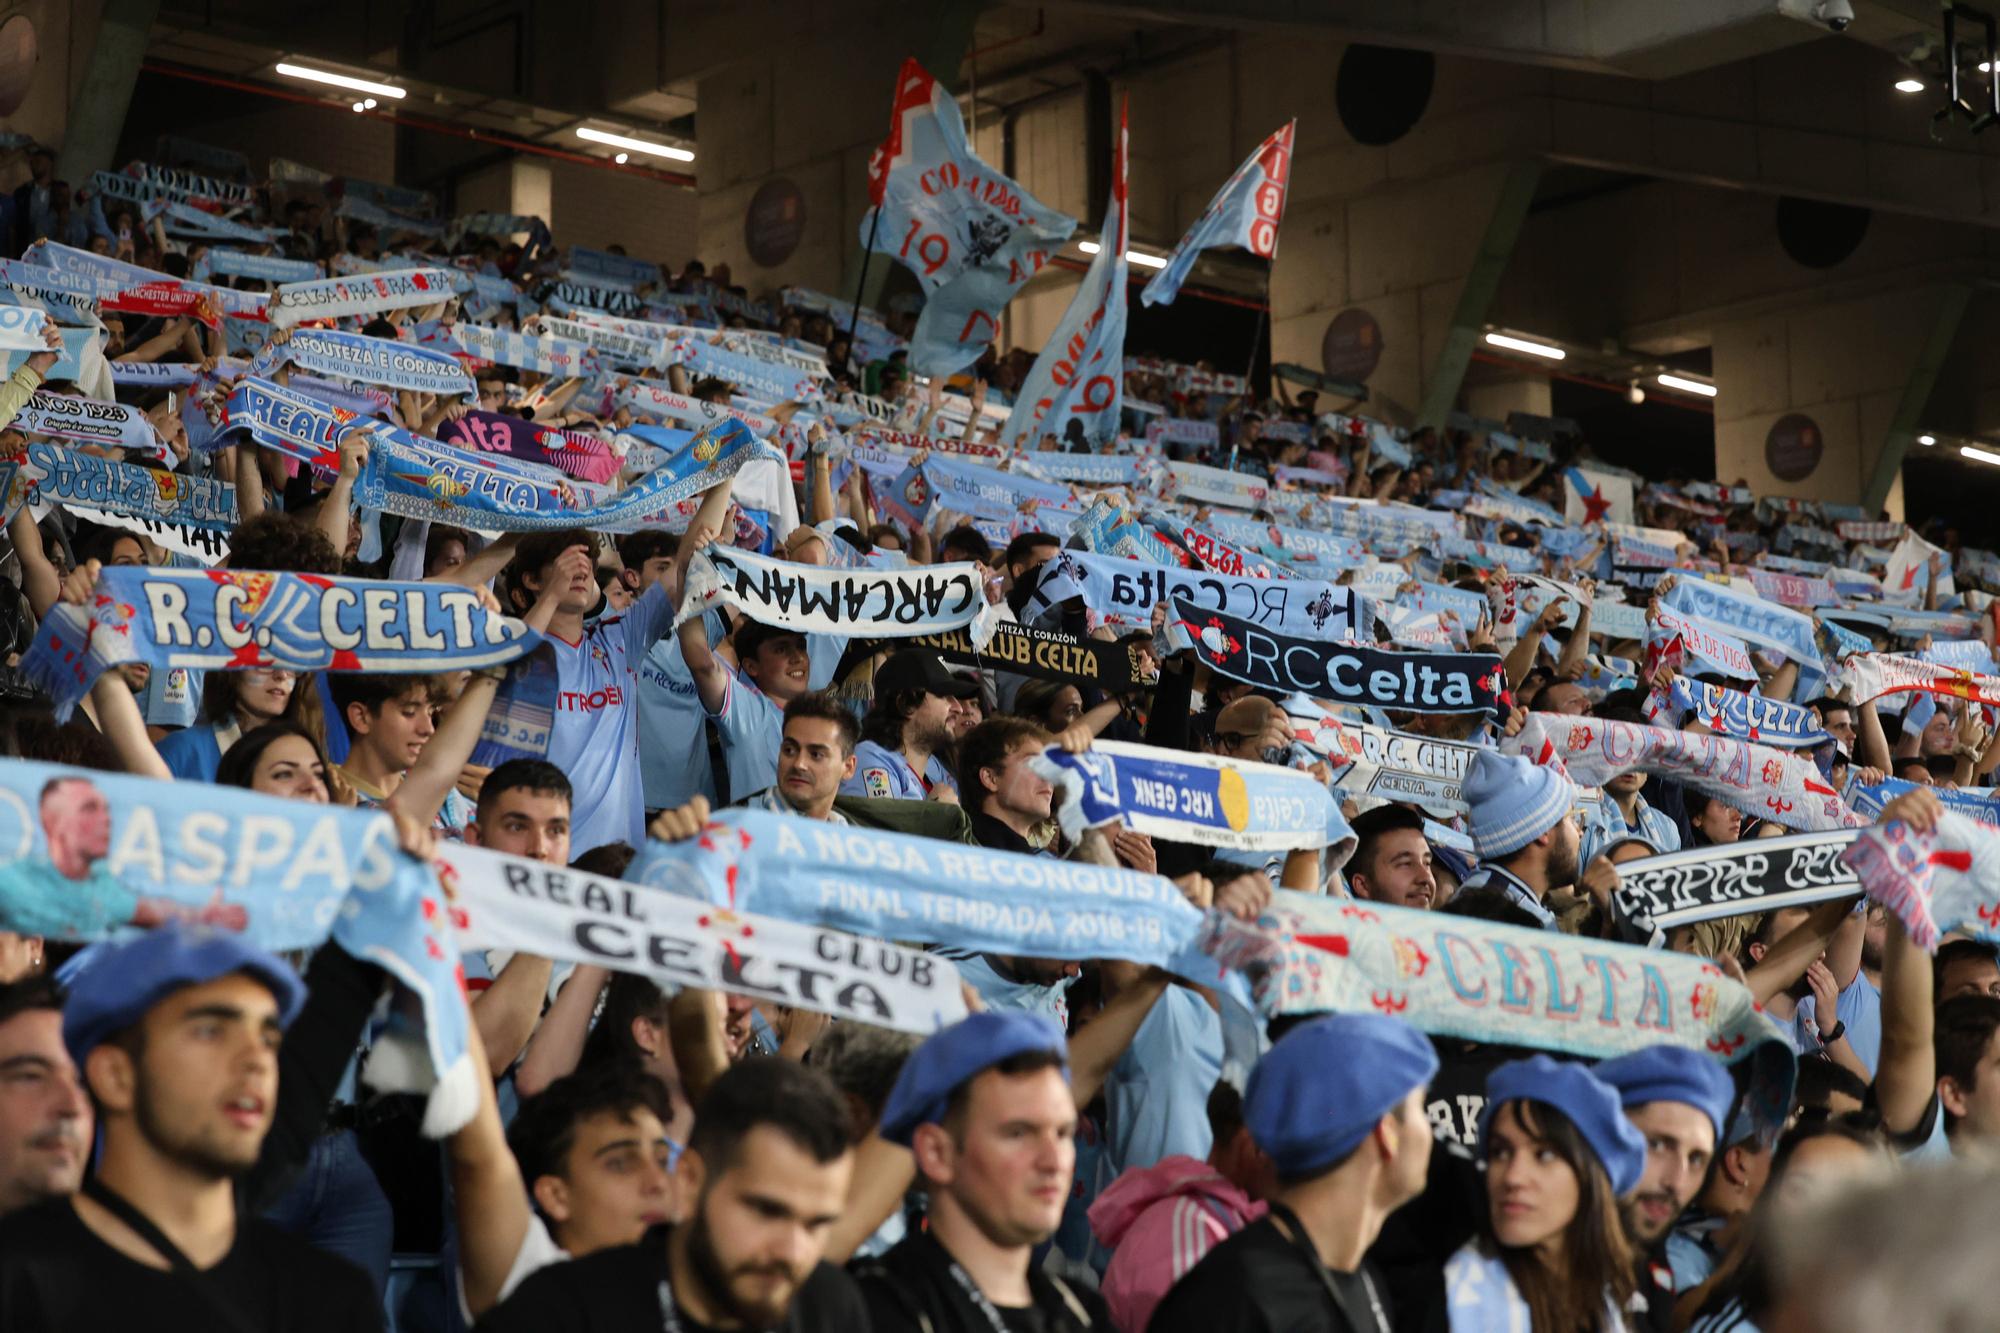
[971,235]
[1245,212]
[1077,385]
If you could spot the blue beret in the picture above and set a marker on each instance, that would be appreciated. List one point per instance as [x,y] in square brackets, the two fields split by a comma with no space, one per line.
[1673,1074]
[1584,1100]
[1316,1095]
[952,1055]
[122,981]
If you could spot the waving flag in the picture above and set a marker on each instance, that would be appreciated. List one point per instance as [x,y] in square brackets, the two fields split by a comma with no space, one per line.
[1590,496]
[1077,383]
[971,235]
[1245,212]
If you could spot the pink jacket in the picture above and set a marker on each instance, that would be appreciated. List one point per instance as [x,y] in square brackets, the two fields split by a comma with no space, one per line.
[1159,1221]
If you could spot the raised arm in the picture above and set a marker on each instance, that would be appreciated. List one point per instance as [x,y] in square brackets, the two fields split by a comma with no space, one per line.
[1871,740]
[38,577]
[1095,1048]
[336,511]
[484,565]
[490,1196]
[1787,959]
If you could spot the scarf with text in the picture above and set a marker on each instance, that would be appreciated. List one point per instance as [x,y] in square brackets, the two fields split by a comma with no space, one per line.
[1123,592]
[1205,800]
[21,329]
[1936,882]
[582,456]
[1387,764]
[268,268]
[812,599]
[281,874]
[1678,641]
[544,355]
[228,620]
[651,398]
[613,346]
[71,478]
[1044,655]
[1487,982]
[364,295]
[1866,676]
[87,421]
[1657,893]
[1779,785]
[1869,799]
[1747,717]
[355,356]
[1747,617]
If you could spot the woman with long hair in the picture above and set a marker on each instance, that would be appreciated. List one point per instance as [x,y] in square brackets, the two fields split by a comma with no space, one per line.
[1551,1255]
[280,758]
[232,703]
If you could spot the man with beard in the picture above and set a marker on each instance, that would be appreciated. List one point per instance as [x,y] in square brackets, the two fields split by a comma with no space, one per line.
[45,1122]
[986,1109]
[767,1167]
[1680,1100]
[177,1034]
[908,731]
[816,756]
[1522,827]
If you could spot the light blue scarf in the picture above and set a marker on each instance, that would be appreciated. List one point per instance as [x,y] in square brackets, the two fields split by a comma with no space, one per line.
[355,356]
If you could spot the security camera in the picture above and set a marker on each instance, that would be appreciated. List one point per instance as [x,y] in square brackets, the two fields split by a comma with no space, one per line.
[1835,14]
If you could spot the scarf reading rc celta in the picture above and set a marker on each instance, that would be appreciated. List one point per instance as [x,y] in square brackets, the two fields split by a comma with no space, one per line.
[813,599]
[1487,982]
[1416,682]
[1123,593]
[225,620]
[1936,882]
[355,356]
[1387,764]
[1206,800]
[364,294]
[523,906]
[1783,786]
[283,874]
[1657,893]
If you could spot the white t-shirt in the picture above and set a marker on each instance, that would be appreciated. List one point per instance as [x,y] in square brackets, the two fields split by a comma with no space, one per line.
[538,1251]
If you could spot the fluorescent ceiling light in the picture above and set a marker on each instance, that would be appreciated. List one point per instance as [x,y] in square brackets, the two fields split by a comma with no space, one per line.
[1980,455]
[292,71]
[636,145]
[1688,386]
[1909,85]
[1139,257]
[1926,439]
[1523,345]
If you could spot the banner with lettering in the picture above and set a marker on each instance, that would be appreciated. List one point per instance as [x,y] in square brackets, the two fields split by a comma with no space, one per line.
[1782,786]
[1869,798]
[544,355]
[229,620]
[88,421]
[1512,985]
[1417,682]
[1122,592]
[1749,618]
[1658,893]
[813,599]
[614,346]
[222,261]
[1866,676]
[1747,717]
[282,874]
[654,399]
[1203,485]
[355,356]
[1387,764]
[970,235]
[1945,880]
[572,916]
[103,485]
[1206,800]
[1044,655]
[364,294]
[1793,590]
[583,456]
[1244,213]
[1680,638]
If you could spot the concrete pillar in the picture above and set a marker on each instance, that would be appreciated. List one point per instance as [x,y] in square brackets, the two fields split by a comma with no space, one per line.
[97,112]
[1494,399]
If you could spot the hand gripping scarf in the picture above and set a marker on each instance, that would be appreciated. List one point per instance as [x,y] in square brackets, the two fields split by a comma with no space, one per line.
[1779,785]
[1487,982]
[355,356]
[226,620]
[1944,880]
[282,874]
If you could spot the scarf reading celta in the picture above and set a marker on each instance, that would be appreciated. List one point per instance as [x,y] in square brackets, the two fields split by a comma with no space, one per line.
[1123,592]
[813,599]
[1487,982]
[284,874]
[228,620]
[74,478]
[1779,785]
[355,356]
[1944,880]
[363,294]
[1415,682]
[512,903]
[1206,800]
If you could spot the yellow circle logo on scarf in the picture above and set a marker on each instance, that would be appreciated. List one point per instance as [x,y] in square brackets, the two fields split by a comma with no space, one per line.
[1235,799]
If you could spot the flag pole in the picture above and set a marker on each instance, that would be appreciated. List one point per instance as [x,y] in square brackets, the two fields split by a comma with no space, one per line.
[861,285]
[1256,342]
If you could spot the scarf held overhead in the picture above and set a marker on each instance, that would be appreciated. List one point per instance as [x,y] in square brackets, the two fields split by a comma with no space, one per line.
[1732,879]
[1944,880]
[890,603]
[364,294]
[355,356]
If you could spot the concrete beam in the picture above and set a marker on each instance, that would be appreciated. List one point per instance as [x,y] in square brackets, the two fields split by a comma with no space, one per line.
[1916,395]
[1496,247]
[97,113]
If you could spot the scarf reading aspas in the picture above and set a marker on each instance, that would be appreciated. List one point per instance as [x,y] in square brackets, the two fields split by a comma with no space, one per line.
[1123,592]
[1866,676]
[87,421]
[927,891]
[544,355]
[1944,880]
[1387,764]
[356,356]
[1206,800]
[1782,786]
[1487,982]
[1417,682]
[523,906]
[365,294]
[1747,717]
[582,456]
[1749,618]
[1657,893]
[885,603]
[1044,655]
[226,620]
[72,478]
[282,874]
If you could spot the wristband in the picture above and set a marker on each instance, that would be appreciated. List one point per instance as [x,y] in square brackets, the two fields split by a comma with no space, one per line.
[1835,1033]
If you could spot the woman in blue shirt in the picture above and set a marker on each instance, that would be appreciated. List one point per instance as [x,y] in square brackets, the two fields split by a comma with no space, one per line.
[232,702]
